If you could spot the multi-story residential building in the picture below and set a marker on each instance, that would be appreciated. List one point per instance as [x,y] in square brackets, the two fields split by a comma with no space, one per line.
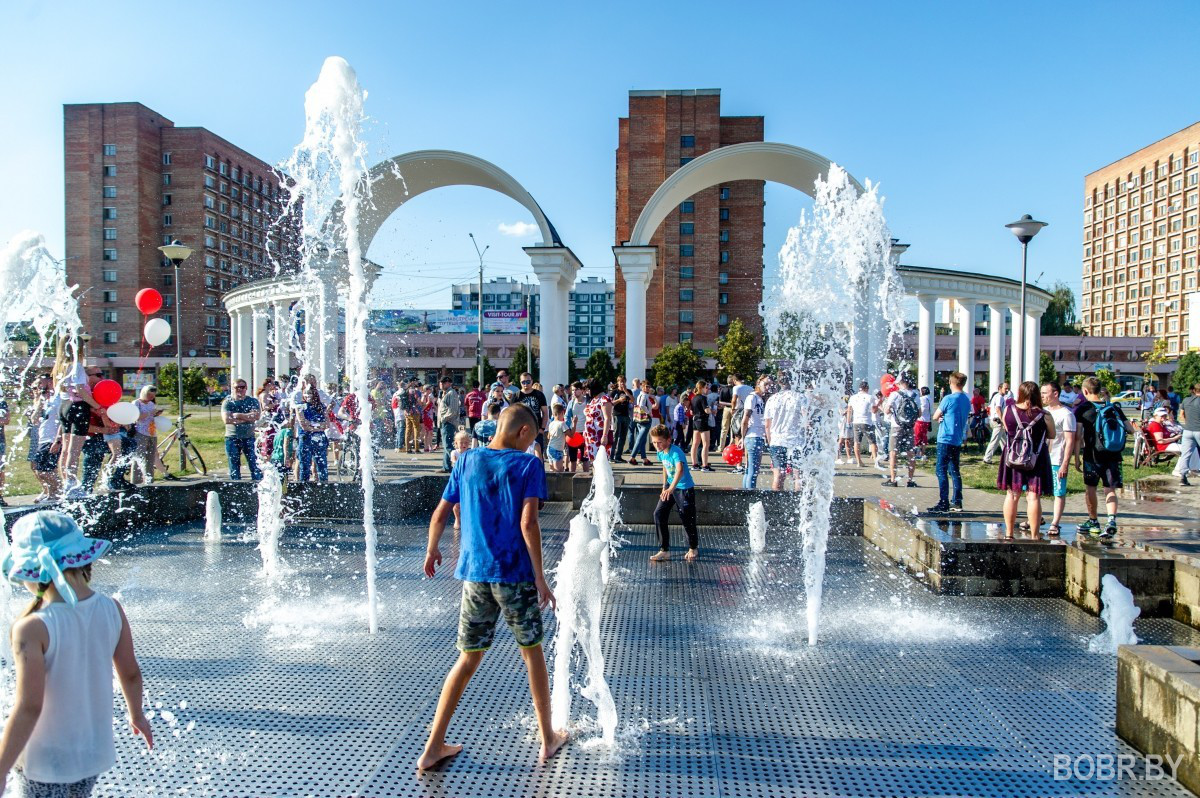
[1140,242]
[502,293]
[135,181]
[592,317]
[710,250]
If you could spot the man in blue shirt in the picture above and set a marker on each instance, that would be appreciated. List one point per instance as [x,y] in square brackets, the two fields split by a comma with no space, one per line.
[499,489]
[952,413]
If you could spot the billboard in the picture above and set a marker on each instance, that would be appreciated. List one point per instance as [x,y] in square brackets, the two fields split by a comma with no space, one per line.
[511,322]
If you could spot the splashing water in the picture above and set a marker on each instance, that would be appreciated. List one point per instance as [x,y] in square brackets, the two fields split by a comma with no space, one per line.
[756,522]
[579,590]
[212,516]
[329,171]
[835,265]
[35,291]
[1118,614]
[271,520]
[603,508]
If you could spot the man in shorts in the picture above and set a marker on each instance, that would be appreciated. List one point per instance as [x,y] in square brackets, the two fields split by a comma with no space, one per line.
[1061,447]
[784,418]
[499,490]
[861,421]
[1098,465]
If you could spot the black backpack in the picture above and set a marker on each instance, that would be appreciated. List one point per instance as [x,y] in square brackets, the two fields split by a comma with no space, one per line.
[906,408]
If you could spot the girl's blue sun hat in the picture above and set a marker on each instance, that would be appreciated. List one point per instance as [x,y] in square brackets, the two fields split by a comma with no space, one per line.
[43,545]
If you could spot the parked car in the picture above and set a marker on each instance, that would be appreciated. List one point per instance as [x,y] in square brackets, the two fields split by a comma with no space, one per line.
[214,398]
[1128,400]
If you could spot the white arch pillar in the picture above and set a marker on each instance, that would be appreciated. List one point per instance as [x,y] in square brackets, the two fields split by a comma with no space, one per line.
[243,320]
[926,327]
[1033,344]
[996,338]
[965,316]
[283,334]
[327,341]
[259,368]
[636,266]
[312,333]
[233,345]
[556,269]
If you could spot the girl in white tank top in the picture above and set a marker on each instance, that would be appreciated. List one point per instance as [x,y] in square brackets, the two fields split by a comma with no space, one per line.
[59,736]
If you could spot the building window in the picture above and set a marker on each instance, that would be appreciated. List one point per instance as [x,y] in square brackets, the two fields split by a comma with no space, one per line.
[685,337]
[110,254]
[110,337]
[110,317]
[167,219]
[687,206]
[110,191]
[110,275]
[685,250]
[210,181]
[724,236]
[110,234]
[724,214]
[110,296]
[687,228]
[687,272]
[166,178]
[110,150]
[724,192]
[723,319]
[685,316]
[166,159]
[682,161]
[687,141]
[685,295]
[223,168]
[724,299]
[110,170]
[210,162]
[210,222]
[168,279]
[723,278]
[724,256]
[110,213]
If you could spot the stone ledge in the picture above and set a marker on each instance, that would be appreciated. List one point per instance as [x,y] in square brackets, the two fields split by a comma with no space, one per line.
[1158,699]
[1150,577]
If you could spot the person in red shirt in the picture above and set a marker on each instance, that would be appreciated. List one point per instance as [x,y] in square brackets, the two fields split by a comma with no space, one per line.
[978,403]
[1166,439]
[473,402]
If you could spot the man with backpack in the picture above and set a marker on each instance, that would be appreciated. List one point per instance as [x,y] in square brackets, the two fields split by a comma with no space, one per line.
[1099,450]
[996,404]
[903,410]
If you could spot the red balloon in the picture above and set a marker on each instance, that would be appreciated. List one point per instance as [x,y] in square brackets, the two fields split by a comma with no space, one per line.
[575,440]
[733,454]
[148,301]
[107,392]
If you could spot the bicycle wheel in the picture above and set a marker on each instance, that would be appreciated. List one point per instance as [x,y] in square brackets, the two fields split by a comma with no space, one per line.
[350,456]
[193,456]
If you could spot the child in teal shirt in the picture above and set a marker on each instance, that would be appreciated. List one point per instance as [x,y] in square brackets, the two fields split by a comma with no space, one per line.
[678,491]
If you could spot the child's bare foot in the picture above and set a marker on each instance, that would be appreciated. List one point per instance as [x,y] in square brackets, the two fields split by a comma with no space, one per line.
[691,555]
[432,758]
[456,525]
[560,739]
[660,556]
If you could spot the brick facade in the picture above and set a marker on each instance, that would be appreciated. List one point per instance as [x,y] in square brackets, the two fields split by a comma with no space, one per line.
[164,177]
[651,144]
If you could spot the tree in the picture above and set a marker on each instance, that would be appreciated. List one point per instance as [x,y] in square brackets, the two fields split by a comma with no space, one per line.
[1108,381]
[520,361]
[1155,357]
[573,372]
[1059,318]
[1187,373]
[599,366]
[621,369]
[737,352]
[489,373]
[195,383]
[676,366]
[1046,370]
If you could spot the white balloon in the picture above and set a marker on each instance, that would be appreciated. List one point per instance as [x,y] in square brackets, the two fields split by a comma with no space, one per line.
[157,331]
[123,413]
[163,424]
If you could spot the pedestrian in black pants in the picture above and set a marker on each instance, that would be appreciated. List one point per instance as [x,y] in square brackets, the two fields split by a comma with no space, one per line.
[622,399]
[679,491]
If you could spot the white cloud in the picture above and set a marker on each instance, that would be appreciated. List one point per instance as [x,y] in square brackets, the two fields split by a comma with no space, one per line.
[518,229]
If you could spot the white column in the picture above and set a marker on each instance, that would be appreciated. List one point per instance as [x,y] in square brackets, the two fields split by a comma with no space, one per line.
[859,355]
[244,333]
[312,333]
[966,340]
[1033,344]
[556,269]
[283,338]
[995,347]
[233,345]
[925,340]
[1016,354]
[637,267]
[260,345]
[328,343]
[563,331]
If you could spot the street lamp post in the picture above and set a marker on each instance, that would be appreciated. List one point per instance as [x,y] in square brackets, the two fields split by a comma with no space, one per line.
[177,253]
[1024,229]
[479,341]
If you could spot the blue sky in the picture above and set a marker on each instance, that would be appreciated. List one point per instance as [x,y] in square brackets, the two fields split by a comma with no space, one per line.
[967,114]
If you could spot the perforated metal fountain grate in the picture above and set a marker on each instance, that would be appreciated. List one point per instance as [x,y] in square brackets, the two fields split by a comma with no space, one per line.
[908,693]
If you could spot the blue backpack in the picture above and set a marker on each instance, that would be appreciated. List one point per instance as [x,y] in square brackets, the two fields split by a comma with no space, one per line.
[1110,428]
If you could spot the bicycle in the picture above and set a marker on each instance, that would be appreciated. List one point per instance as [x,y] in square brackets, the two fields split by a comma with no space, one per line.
[189,449]
[348,461]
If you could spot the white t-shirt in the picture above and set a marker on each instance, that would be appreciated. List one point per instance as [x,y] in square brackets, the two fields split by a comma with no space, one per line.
[49,424]
[755,407]
[860,408]
[787,413]
[1064,421]
[926,408]
[740,392]
[997,403]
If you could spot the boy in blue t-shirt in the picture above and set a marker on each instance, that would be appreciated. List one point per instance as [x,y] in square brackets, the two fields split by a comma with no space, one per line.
[952,413]
[678,491]
[499,490]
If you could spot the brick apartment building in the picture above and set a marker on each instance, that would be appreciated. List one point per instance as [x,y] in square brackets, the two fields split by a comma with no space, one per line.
[134,181]
[710,249]
[1141,220]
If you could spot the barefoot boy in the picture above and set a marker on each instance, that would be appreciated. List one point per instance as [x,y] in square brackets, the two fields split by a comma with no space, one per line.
[500,489]
[678,491]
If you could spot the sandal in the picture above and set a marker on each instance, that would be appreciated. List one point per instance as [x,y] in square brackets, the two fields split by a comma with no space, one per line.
[1052,530]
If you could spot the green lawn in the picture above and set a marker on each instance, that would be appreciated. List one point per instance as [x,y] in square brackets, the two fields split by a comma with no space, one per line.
[204,428]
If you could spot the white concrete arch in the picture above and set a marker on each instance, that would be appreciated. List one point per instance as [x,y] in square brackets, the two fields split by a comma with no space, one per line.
[754,160]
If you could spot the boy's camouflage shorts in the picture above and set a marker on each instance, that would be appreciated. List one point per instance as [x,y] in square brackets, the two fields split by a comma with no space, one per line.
[482,603]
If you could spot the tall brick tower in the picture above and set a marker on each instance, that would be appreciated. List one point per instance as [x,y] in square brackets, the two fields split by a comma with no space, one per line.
[710,249]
